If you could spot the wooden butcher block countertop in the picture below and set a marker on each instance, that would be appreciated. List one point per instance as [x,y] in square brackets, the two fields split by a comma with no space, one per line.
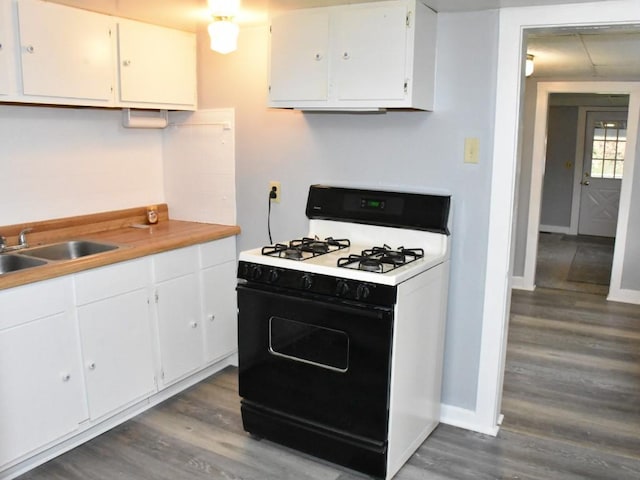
[126,228]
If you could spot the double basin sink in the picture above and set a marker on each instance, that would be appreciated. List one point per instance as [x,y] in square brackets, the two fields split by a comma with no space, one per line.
[36,256]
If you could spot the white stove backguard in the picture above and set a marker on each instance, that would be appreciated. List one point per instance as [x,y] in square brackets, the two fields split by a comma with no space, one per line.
[434,244]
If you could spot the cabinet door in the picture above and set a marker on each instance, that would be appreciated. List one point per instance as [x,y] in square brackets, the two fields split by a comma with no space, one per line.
[221,311]
[66,52]
[157,65]
[179,327]
[368,53]
[41,389]
[117,352]
[299,62]
[5,61]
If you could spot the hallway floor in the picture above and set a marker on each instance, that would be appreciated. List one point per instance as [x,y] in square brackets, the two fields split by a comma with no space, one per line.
[577,263]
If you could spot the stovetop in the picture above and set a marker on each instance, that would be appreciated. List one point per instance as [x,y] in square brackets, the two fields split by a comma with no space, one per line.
[342,258]
[375,236]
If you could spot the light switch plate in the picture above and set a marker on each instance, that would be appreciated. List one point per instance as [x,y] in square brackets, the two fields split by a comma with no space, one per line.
[471,149]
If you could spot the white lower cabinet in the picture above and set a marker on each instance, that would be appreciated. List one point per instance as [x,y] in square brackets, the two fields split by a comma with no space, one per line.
[117,355]
[77,351]
[41,389]
[178,313]
[115,332]
[219,298]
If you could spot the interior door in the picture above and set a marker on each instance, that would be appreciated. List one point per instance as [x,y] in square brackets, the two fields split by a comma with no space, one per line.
[605,142]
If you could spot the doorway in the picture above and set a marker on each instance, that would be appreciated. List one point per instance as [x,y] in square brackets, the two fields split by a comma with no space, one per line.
[505,168]
[544,93]
[584,166]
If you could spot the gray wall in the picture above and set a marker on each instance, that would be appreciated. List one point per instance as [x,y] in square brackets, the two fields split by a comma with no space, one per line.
[631,264]
[557,188]
[398,149]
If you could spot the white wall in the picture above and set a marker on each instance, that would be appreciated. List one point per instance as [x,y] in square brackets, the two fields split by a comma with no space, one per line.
[413,150]
[60,162]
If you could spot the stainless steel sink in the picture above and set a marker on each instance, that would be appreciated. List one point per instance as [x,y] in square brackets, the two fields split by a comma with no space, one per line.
[11,263]
[69,250]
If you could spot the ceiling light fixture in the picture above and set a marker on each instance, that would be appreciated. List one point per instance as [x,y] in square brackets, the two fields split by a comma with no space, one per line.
[529,66]
[223,30]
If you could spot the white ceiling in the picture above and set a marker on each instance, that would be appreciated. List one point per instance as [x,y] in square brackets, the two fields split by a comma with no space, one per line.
[570,53]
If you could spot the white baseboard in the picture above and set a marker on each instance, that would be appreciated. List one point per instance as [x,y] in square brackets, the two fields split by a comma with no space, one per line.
[467,419]
[555,229]
[624,295]
[518,283]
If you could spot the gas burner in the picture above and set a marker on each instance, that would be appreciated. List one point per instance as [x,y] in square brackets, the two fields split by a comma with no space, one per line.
[381,259]
[370,265]
[305,248]
[292,254]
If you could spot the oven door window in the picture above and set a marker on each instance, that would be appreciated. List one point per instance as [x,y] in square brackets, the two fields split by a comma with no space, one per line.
[301,342]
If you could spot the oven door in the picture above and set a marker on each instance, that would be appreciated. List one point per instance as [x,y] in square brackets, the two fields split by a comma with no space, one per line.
[317,359]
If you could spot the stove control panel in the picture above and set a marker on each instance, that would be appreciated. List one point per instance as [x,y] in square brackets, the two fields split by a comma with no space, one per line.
[296,280]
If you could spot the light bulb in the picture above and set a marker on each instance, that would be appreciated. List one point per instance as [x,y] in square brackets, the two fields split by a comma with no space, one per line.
[224,35]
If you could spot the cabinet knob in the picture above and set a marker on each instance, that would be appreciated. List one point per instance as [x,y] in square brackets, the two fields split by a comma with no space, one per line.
[193,324]
[91,366]
[126,63]
[212,317]
[0,47]
[318,57]
[30,49]
[346,56]
[65,376]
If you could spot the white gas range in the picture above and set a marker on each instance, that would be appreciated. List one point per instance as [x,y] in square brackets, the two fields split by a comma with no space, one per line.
[341,332]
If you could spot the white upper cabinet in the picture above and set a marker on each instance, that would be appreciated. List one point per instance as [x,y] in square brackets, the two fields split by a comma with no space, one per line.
[369,51]
[66,53]
[354,57]
[55,54]
[156,66]
[300,40]
[5,48]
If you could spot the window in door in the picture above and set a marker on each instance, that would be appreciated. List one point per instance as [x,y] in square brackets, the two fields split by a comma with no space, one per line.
[609,142]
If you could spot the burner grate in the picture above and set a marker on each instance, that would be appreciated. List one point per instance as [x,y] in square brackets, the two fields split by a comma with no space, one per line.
[305,248]
[381,259]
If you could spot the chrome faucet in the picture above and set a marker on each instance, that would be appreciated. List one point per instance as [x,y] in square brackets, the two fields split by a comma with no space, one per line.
[22,241]
[22,237]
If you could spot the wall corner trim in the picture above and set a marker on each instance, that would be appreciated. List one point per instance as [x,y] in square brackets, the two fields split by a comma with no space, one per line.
[518,283]
[467,419]
[624,295]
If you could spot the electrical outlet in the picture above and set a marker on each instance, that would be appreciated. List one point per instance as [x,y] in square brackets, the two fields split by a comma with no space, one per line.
[278,192]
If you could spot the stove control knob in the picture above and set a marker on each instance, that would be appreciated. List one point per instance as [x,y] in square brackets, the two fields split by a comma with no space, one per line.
[362,292]
[342,288]
[256,272]
[307,281]
[272,276]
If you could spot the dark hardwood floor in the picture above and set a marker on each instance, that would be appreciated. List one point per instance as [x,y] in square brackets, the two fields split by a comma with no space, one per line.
[571,406]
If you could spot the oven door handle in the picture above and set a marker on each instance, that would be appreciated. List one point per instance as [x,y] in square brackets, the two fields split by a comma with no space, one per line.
[338,304]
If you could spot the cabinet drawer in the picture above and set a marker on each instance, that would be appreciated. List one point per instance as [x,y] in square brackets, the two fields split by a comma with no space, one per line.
[220,251]
[175,263]
[113,280]
[36,300]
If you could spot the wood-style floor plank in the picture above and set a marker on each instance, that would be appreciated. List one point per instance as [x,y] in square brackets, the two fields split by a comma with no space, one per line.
[571,404]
